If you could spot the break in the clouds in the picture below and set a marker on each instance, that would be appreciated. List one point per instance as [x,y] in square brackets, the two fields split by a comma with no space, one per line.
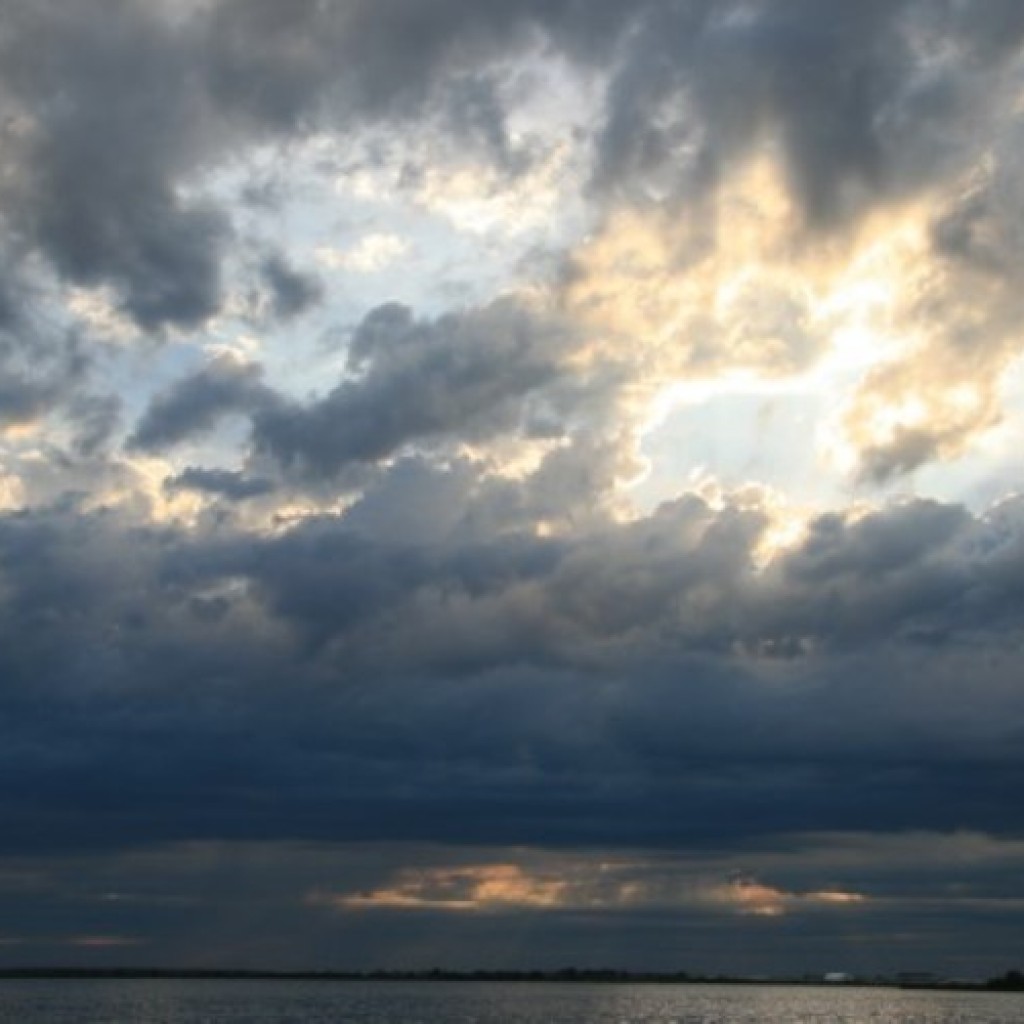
[511,484]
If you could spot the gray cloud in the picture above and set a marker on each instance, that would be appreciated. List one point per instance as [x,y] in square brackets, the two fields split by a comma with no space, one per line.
[196,403]
[95,418]
[94,174]
[225,483]
[466,375]
[375,60]
[23,401]
[98,176]
[291,292]
[860,106]
[560,691]
[195,904]
[463,375]
[42,367]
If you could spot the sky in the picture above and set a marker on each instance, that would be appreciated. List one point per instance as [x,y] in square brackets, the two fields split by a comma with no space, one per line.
[512,484]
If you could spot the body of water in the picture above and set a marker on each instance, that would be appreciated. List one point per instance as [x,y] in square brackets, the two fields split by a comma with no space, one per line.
[331,1002]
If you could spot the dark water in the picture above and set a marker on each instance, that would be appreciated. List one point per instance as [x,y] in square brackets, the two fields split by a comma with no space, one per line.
[237,1002]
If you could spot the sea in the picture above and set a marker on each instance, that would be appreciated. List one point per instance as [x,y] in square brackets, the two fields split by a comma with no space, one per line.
[348,1002]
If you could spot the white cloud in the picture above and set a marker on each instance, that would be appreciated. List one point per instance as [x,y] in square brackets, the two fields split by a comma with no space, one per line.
[372,254]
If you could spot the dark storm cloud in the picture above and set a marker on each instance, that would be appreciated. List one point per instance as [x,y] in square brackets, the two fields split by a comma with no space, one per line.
[644,685]
[196,403]
[463,375]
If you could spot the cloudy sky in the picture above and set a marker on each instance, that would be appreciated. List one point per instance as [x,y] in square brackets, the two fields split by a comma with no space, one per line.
[511,484]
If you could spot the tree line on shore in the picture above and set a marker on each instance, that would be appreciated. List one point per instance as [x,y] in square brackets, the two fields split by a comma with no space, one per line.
[1011,981]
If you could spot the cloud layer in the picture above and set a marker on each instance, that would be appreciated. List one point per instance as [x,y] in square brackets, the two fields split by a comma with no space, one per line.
[569,448]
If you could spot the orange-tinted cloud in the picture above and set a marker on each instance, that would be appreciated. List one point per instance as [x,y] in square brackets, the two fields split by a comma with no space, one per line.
[493,886]
[578,884]
[749,896]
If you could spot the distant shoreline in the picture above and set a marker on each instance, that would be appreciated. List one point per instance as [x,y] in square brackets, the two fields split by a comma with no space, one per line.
[1010,982]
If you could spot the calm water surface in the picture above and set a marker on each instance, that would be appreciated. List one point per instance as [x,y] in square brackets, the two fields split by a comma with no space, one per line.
[246,1002]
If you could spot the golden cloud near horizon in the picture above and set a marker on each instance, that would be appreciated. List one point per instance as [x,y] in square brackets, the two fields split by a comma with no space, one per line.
[506,887]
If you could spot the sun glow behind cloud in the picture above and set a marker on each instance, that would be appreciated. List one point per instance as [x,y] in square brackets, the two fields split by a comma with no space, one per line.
[748,896]
[582,884]
[742,302]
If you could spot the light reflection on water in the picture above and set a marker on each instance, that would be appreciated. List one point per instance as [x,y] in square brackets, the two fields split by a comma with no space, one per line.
[263,1002]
